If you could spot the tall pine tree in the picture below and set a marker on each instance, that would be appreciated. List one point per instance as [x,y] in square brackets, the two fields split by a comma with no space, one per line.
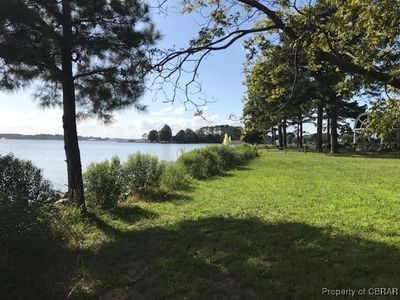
[89,57]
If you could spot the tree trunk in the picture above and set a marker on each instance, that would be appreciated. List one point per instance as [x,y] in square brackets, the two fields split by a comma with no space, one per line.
[301,132]
[298,136]
[320,116]
[71,146]
[280,136]
[301,135]
[334,134]
[284,134]
[273,130]
[328,132]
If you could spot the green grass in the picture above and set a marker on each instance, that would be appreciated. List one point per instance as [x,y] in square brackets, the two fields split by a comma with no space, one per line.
[283,227]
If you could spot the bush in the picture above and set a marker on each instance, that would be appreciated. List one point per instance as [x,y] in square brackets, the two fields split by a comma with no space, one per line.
[227,156]
[201,163]
[27,243]
[21,183]
[104,183]
[214,160]
[25,198]
[143,173]
[174,178]
[244,153]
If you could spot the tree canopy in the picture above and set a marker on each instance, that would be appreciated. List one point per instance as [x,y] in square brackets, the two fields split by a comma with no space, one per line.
[165,134]
[207,134]
[350,35]
[90,57]
[384,120]
[153,136]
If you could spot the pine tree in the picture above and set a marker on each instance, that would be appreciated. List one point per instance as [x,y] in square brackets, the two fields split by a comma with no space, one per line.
[89,57]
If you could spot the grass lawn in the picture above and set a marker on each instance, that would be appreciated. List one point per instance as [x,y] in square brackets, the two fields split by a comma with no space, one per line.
[283,227]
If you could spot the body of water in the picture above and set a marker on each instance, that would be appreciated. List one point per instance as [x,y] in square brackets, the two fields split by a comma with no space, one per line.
[50,156]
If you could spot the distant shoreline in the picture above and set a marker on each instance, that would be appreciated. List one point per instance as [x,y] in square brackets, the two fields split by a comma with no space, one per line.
[58,137]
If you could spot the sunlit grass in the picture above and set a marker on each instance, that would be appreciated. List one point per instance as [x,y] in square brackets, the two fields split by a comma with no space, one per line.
[283,227]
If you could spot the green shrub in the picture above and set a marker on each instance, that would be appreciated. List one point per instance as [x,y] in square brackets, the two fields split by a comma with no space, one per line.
[26,236]
[227,156]
[244,153]
[21,183]
[25,198]
[142,173]
[174,178]
[201,163]
[214,160]
[104,183]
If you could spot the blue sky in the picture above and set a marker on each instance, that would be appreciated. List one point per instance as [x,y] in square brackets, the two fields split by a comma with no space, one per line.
[220,74]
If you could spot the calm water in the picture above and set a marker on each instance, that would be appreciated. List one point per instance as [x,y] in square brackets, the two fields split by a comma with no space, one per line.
[50,156]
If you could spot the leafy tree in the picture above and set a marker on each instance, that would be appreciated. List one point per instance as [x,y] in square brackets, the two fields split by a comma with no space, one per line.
[190,136]
[350,35]
[180,137]
[165,134]
[153,136]
[276,92]
[85,55]
[252,136]
[383,119]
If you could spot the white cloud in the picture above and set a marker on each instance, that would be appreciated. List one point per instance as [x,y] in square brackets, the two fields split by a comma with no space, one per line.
[162,111]
[179,111]
[30,122]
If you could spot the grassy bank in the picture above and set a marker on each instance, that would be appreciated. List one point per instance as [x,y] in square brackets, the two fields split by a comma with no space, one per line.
[283,227]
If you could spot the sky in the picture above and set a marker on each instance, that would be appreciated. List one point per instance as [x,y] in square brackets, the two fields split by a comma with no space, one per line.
[220,74]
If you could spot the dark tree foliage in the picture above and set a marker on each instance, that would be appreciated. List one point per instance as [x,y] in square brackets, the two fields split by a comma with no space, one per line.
[252,136]
[180,137]
[281,94]
[208,134]
[153,136]
[350,35]
[165,134]
[190,136]
[89,56]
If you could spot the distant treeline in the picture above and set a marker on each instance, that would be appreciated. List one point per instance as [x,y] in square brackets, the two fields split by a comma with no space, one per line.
[208,134]
[15,136]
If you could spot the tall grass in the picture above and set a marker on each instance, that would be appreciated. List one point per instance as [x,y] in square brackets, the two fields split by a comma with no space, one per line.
[214,160]
[141,174]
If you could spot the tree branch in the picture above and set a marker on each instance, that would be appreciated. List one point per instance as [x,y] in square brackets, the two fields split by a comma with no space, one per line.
[231,37]
[345,63]
[94,72]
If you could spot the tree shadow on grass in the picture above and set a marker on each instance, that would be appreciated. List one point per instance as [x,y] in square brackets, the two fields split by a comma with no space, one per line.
[131,214]
[366,155]
[228,173]
[227,258]
[161,196]
[243,168]
[34,262]
[127,214]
